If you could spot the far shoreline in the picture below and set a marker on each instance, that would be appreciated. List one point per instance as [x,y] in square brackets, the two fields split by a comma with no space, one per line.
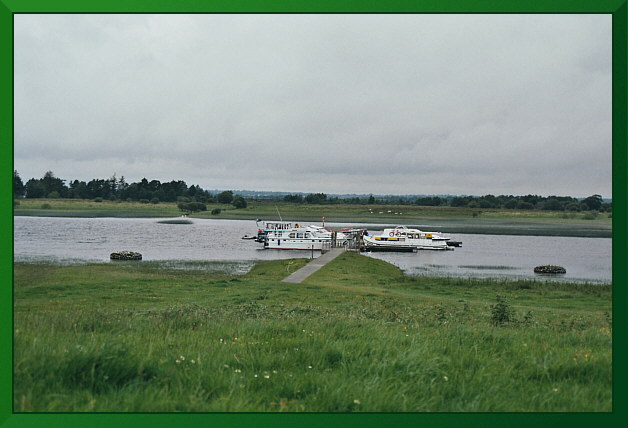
[486,226]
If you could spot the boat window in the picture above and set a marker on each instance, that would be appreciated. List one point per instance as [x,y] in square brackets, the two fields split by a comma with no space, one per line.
[291,235]
[299,235]
[307,234]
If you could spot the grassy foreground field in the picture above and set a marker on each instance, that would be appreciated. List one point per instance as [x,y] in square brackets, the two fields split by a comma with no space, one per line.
[445,219]
[357,336]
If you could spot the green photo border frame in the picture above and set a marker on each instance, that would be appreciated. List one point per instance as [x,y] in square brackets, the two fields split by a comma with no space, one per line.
[618,9]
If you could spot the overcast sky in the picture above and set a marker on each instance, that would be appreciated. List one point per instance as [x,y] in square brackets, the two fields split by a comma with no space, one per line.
[400,104]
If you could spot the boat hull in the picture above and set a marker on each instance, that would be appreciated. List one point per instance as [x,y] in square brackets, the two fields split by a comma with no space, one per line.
[403,244]
[398,248]
[295,244]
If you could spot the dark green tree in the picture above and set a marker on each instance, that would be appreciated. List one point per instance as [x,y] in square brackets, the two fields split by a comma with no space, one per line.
[34,189]
[594,202]
[552,204]
[316,198]
[239,202]
[78,190]
[460,201]
[18,185]
[293,198]
[225,197]
[51,184]
[511,203]
[522,205]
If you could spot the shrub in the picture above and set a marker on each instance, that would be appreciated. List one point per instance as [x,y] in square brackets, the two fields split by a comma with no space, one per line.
[239,202]
[192,206]
[154,201]
[525,205]
[591,215]
[46,207]
[501,312]
[144,201]
[99,199]
[216,211]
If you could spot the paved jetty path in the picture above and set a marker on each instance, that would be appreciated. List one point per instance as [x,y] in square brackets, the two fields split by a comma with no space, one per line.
[313,266]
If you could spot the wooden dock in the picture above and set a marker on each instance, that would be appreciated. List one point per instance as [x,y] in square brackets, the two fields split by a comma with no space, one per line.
[307,270]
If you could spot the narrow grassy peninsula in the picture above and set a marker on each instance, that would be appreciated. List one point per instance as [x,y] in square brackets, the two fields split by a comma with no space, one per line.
[356,336]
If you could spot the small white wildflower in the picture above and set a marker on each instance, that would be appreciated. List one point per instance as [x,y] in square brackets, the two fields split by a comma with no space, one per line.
[238,371]
[446,378]
[266,376]
[309,367]
[356,401]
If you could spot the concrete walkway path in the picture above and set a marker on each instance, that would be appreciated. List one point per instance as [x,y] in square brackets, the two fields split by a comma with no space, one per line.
[313,266]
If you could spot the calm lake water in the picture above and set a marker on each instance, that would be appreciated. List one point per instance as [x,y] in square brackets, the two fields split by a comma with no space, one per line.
[80,240]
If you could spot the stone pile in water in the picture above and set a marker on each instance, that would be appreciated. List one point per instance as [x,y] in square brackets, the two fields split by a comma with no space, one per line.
[126,255]
[549,269]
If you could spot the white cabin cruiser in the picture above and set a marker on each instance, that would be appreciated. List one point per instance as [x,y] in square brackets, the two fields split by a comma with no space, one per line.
[402,238]
[302,238]
[263,227]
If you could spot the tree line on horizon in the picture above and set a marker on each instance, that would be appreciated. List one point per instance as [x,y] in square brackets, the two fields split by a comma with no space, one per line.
[178,191]
[189,198]
[527,202]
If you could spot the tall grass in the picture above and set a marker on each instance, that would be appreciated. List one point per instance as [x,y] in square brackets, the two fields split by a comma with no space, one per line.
[379,342]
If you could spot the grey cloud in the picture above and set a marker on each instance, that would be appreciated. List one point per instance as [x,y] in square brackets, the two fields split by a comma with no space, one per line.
[334,103]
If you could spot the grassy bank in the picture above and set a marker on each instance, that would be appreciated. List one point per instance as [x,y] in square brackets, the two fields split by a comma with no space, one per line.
[356,336]
[445,219]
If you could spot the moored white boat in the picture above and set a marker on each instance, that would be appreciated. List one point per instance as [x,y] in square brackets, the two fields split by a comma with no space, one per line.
[402,238]
[302,238]
[263,227]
